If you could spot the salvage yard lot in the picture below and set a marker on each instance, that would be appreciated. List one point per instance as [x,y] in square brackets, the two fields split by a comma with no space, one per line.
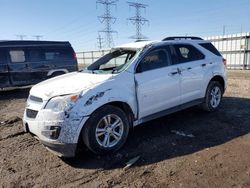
[216,156]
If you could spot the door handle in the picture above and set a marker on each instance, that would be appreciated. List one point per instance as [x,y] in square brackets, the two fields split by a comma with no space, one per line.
[189,68]
[178,71]
[174,73]
[203,65]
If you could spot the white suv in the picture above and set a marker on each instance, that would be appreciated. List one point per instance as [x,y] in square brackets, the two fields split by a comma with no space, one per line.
[131,85]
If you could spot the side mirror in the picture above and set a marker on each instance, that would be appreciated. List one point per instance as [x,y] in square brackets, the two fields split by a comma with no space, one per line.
[139,69]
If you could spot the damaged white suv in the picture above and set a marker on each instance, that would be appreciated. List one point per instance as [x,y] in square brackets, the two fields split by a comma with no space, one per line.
[131,85]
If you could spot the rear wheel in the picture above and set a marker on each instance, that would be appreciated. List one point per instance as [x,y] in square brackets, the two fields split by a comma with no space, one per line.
[213,96]
[106,130]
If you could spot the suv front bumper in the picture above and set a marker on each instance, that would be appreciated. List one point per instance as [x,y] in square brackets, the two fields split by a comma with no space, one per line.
[65,143]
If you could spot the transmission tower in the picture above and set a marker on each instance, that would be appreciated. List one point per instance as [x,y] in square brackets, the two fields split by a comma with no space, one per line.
[37,37]
[108,20]
[21,36]
[138,20]
[100,41]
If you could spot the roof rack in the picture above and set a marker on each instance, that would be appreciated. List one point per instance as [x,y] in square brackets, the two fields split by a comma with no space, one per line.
[141,40]
[12,43]
[182,37]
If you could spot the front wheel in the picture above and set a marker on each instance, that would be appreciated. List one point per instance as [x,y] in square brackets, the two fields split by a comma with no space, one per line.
[106,130]
[213,96]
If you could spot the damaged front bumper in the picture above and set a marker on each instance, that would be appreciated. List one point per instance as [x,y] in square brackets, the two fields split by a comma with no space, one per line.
[61,149]
[55,131]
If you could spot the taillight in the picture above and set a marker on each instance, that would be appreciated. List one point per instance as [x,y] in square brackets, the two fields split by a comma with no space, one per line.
[224,62]
[74,55]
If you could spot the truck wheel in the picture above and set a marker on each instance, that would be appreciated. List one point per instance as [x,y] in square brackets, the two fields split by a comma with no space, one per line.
[213,96]
[106,130]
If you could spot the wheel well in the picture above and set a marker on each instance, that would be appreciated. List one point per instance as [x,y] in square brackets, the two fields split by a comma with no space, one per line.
[220,80]
[126,108]
[57,73]
[123,106]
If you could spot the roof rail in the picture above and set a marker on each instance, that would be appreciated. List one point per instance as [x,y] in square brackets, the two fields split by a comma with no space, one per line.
[141,40]
[182,37]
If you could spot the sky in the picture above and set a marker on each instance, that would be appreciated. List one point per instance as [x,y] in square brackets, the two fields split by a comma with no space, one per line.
[77,20]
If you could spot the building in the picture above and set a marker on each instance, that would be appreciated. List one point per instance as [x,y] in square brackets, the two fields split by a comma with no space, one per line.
[235,48]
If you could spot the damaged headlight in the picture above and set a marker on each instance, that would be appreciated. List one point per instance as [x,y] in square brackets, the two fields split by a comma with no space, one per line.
[62,103]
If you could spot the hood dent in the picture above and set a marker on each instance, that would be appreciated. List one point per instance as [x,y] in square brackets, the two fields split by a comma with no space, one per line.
[71,83]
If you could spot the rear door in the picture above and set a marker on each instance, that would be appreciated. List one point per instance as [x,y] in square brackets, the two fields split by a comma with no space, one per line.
[4,73]
[158,83]
[191,67]
[38,65]
[18,67]
[59,58]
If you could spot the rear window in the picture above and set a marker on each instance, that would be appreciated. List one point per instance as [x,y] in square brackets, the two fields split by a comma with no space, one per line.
[210,48]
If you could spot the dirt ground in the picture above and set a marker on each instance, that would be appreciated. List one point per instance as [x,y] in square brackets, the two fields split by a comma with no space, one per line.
[218,154]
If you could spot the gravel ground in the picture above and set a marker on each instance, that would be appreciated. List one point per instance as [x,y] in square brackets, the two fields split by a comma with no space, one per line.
[215,153]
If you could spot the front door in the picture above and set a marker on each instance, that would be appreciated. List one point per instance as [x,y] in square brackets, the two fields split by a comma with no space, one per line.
[4,73]
[18,67]
[158,83]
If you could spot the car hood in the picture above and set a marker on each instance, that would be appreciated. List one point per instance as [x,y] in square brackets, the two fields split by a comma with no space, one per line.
[67,84]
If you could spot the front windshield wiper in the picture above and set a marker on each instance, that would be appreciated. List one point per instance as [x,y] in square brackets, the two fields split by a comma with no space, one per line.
[87,71]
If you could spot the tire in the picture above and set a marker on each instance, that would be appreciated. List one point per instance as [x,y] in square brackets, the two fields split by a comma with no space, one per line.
[213,96]
[106,130]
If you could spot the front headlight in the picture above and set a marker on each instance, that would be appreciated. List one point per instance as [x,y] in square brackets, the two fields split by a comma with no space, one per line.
[62,103]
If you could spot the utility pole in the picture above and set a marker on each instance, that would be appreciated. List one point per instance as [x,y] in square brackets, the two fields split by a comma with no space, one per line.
[100,41]
[21,36]
[38,37]
[108,20]
[224,30]
[138,20]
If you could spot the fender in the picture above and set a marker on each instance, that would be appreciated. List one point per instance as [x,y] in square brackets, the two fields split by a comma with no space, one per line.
[211,73]
[107,92]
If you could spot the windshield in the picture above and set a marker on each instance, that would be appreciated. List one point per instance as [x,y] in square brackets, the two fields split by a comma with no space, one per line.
[113,62]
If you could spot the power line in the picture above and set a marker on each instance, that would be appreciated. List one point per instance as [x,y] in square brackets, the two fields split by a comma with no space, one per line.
[224,30]
[38,37]
[100,41]
[108,20]
[21,36]
[138,20]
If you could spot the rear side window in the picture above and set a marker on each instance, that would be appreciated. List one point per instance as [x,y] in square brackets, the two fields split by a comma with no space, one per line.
[37,55]
[58,54]
[210,48]
[17,56]
[2,57]
[187,53]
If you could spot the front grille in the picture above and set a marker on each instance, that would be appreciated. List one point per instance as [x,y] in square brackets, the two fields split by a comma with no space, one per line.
[31,113]
[36,99]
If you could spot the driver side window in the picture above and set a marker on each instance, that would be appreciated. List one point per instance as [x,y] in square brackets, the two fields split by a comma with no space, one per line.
[155,59]
[118,61]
